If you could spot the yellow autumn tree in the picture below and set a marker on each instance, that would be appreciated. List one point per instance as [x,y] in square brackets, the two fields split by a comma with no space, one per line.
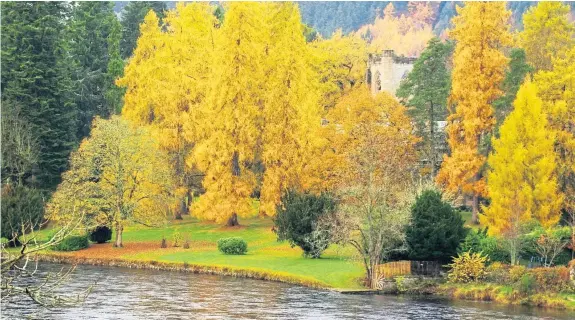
[522,179]
[116,177]
[373,157]
[547,33]
[481,32]
[557,90]
[167,80]
[228,124]
[291,111]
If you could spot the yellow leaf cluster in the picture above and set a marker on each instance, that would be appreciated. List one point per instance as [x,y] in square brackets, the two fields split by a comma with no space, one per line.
[547,33]
[407,34]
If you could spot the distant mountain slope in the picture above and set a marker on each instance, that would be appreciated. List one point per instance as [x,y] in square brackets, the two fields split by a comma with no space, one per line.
[328,16]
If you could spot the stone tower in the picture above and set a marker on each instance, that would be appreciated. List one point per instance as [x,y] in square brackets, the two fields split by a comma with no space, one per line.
[385,71]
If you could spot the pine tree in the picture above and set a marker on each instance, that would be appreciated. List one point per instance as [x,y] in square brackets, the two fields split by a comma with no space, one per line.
[481,30]
[36,78]
[114,94]
[514,76]
[425,93]
[522,180]
[547,33]
[91,28]
[132,16]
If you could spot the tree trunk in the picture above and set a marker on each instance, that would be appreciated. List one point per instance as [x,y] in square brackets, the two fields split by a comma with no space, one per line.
[233,220]
[432,140]
[475,209]
[181,209]
[119,229]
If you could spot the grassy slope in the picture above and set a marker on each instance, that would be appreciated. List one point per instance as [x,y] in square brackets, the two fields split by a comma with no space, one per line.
[335,268]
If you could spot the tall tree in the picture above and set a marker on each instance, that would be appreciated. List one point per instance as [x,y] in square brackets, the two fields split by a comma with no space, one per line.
[291,112]
[514,76]
[425,93]
[557,90]
[36,79]
[226,146]
[92,28]
[480,31]
[547,33]
[522,180]
[117,176]
[374,146]
[132,16]
[167,80]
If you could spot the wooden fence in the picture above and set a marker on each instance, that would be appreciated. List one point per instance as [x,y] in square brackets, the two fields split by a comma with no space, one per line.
[403,268]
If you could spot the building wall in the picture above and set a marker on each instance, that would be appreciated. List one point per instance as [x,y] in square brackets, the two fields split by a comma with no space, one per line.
[385,71]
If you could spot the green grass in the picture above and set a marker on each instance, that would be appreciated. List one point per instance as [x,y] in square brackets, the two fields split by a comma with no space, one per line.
[335,268]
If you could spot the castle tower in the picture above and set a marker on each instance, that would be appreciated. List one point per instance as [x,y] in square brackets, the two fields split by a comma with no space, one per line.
[386,70]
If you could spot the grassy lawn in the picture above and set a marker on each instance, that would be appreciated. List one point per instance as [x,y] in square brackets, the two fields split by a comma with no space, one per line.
[335,268]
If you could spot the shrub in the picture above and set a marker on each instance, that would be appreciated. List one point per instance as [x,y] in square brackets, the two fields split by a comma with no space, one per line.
[20,205]
[72,243]
[498,272]
[551,279]
[297,219]
[477,241]
[234,245]
[516,272]
[526,284]
[101,234]
[177,236]
[467,267]
[436,230]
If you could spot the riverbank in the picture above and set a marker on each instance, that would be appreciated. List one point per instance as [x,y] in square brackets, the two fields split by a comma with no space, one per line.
[270,260]
[142,246]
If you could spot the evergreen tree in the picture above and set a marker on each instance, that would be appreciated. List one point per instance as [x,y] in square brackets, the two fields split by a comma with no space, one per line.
[132,16]
[436,229]
[425,93]
[514,76]
[92,29]
[36,74]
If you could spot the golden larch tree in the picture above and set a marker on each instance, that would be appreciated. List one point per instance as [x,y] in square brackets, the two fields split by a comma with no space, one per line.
[547,33]
[522,179]
[166,82]
[557,90]
[228,128]
[481,32]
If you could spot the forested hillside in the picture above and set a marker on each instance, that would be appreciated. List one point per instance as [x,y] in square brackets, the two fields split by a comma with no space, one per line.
[328,16]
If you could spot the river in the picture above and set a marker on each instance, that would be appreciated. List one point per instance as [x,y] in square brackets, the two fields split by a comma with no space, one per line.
[149,294]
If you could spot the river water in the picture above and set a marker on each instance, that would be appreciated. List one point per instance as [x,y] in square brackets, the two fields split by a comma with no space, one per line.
[148,294]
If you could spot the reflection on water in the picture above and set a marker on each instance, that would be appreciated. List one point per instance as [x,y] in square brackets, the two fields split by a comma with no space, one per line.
[146,294]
